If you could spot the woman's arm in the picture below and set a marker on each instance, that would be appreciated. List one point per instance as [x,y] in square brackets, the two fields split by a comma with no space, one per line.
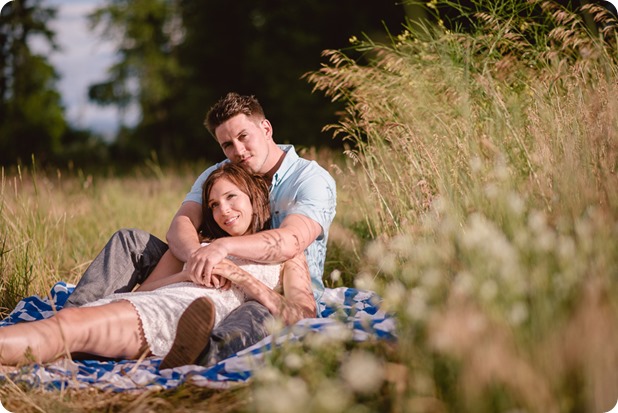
[167,265]
[163,281]
[297,301]
[168,271]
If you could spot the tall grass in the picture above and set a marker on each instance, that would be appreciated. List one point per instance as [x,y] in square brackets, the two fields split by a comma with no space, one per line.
[484,162]
[53,225]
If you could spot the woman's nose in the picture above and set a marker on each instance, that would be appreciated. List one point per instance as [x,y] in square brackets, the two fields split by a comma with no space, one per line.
[225,207]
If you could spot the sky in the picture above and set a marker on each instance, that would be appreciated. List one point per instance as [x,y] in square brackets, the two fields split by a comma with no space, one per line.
[83,59]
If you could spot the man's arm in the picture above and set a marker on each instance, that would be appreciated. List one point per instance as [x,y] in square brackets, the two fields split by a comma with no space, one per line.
[276,245]
[182,235]
[297,301]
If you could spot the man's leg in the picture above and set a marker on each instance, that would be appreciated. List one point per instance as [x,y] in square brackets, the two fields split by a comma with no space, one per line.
[242,328]
[128,258]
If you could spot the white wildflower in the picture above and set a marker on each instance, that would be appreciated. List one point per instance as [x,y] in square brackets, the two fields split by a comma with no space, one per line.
[431,278]
[488,290]
[363,372]
[267,374]
[566,248]
[537,221]
[492,191]
[335,276]
[293,361]
[417,304]
[402,244]
[388,264]
[516,203]
[365,281]
[463,283]
[290,395]
[274,325]
[518,313]
[332,397]
[394,294]
[376,250]
[476,164]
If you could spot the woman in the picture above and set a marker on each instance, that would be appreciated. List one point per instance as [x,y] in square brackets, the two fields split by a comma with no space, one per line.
[129,325]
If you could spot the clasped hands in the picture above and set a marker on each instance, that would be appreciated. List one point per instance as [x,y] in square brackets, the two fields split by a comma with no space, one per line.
[208,266]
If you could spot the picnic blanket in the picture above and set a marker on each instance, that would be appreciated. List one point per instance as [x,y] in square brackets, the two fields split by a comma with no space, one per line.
[343,310]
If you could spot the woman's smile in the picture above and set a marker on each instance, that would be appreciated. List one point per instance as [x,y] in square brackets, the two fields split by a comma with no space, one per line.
[231,208]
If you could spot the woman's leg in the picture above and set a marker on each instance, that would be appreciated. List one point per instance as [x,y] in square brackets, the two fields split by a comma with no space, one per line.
[112,330]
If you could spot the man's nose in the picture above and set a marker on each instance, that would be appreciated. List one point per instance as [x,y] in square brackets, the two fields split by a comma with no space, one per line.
[239,149]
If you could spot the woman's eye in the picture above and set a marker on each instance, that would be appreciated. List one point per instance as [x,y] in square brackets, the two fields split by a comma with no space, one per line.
[213,205]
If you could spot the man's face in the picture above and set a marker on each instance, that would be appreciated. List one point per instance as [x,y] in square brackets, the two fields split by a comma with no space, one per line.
[246,141]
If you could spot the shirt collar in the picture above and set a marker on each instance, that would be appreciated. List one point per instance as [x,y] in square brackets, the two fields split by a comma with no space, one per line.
[290,158]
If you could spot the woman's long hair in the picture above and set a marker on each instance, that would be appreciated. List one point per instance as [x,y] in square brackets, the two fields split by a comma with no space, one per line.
[253,185]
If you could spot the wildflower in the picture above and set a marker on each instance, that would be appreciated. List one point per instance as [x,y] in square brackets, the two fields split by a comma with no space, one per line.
[333,397]
[335,276]
[488,290]
[518,313]
[365,282]
[363,372]
[291,395]
[376,251]
[293,361]
[417,304]
[394,294]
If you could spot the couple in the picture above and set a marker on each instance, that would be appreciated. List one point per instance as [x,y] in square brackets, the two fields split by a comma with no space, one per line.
[302,202]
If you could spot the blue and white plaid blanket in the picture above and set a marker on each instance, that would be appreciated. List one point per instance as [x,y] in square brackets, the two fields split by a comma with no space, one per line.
[343,310]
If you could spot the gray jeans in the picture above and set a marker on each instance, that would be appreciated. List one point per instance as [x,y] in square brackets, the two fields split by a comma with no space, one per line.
[129,257]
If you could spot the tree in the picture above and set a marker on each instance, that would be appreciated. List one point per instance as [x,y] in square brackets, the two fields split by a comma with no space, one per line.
[177,57]
[31,115]
[146,74]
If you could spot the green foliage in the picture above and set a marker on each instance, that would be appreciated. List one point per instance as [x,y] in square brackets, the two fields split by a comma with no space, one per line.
[31,115]
[146,74]
[176,58]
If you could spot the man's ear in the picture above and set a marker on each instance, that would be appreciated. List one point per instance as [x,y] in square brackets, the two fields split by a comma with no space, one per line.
[268,128]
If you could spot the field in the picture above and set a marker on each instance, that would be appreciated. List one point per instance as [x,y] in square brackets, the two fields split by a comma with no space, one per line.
[478,195]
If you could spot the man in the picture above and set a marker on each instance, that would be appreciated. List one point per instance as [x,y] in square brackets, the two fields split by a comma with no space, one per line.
[303,201]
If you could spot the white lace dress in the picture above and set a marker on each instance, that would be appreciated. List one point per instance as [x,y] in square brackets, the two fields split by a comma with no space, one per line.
[159,310]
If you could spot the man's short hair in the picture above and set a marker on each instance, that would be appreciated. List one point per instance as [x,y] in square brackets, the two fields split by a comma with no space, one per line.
[231,105]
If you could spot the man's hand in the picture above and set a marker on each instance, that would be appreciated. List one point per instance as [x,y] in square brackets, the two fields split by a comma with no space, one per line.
[202,261]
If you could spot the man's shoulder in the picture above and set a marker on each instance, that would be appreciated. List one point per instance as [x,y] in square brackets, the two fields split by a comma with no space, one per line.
[309,168]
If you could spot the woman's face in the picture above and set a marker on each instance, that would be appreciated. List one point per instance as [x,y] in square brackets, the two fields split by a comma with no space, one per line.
[231,208]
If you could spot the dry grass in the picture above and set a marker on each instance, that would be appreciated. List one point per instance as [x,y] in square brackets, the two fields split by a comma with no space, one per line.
[479,198]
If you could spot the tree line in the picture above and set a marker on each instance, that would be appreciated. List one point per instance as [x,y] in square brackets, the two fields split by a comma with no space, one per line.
[175,58]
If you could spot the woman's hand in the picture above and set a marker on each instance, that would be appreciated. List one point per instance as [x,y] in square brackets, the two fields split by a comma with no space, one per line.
[230,272]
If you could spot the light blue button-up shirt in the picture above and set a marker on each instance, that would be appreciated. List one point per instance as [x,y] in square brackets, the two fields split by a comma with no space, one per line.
[301,187]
